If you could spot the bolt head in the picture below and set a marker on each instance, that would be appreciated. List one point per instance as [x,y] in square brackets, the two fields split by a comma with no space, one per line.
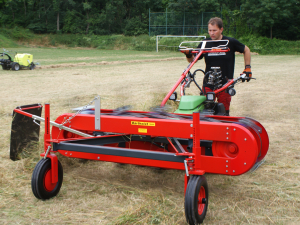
[191,125]
[226,171]
[245,163]
[234,171]
[191,135]
[245,139]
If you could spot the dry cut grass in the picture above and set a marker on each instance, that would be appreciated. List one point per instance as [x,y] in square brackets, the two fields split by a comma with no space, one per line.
[106,193]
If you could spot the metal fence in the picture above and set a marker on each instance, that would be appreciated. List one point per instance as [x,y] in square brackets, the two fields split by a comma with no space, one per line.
[174,23]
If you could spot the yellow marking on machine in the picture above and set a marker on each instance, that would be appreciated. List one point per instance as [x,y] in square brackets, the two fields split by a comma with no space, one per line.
[142,130]
[149,124]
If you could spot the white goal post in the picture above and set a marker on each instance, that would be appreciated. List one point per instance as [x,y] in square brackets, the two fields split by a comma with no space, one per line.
[158,37]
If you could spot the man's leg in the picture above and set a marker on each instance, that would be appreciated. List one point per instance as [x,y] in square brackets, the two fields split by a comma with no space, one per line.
[224,98]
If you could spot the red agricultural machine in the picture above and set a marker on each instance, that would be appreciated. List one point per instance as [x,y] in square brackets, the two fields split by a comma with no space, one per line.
[199,139]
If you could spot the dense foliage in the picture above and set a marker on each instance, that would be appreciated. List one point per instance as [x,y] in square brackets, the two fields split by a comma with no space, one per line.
[271,18]
[261,45]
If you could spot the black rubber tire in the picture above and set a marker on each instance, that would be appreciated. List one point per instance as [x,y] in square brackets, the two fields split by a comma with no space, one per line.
[15,66]
[38,176]
[196,183]
[4,67]
[32,66]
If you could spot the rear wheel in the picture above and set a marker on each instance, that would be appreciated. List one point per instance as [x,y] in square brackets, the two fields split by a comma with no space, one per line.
[15,66]
[196,200]
[41,182]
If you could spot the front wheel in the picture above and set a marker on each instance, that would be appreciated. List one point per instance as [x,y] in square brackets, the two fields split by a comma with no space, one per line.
[4,67]
[41,182]
[196,200]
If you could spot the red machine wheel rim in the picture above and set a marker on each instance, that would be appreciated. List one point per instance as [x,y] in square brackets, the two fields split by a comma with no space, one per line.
[225,149]
[48,185]
[201,205]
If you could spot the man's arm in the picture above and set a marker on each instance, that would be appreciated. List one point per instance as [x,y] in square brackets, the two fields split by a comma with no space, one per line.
[247,59]
[247,56]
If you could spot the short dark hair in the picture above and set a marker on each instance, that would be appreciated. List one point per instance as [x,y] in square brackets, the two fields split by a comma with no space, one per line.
[216,21]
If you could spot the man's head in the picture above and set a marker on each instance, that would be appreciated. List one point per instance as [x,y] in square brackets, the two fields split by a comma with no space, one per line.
[215,28]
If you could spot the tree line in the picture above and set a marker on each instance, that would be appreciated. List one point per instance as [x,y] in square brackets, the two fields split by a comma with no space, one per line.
[270,18]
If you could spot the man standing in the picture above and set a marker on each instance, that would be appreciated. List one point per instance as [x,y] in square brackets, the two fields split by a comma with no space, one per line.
[224,60]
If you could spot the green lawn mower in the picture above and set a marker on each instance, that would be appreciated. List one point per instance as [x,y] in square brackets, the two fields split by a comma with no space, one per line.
[20,61]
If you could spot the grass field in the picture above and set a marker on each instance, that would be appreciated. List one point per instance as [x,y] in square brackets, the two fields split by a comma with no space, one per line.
[105,193]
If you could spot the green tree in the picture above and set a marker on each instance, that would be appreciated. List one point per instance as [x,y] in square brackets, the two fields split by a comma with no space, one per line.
[264,14]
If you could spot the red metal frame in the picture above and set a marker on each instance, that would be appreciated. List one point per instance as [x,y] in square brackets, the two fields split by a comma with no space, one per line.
[198,163]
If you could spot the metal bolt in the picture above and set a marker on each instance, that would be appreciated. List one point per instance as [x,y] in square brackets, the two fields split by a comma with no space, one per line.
[245,139]
[98,157]
[71,154]
[226,171]
[226,160]
[227,133]
[66,153]
[245,163]
[227,128]
[226,165]
[191,125]
[191,168]
[227,138]
[234,129]
[191,135]
[234,171]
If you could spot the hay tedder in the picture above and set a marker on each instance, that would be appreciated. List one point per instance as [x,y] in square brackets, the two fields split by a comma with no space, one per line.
[198,139]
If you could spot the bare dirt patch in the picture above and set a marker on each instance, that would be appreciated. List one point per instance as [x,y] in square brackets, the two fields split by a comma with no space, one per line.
[104,193]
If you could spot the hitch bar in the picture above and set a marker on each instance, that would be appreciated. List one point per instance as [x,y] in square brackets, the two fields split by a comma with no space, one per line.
[34,117]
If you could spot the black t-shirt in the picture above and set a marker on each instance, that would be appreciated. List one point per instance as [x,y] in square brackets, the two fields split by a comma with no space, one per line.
[224,60]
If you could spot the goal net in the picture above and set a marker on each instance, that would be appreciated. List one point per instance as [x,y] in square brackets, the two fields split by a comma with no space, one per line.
[171,42]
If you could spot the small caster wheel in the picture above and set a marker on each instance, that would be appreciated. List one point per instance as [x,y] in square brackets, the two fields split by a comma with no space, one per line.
[196,200]
[41,182]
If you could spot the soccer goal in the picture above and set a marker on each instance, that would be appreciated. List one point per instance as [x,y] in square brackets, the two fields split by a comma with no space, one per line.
[173,41]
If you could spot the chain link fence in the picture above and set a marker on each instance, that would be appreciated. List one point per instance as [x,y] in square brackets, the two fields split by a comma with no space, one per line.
[175,23]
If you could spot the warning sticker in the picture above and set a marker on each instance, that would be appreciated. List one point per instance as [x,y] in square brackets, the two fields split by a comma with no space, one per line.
[150,124]
[142,130]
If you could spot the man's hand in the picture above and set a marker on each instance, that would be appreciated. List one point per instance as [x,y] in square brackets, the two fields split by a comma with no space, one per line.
[188,53]
[248,72]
